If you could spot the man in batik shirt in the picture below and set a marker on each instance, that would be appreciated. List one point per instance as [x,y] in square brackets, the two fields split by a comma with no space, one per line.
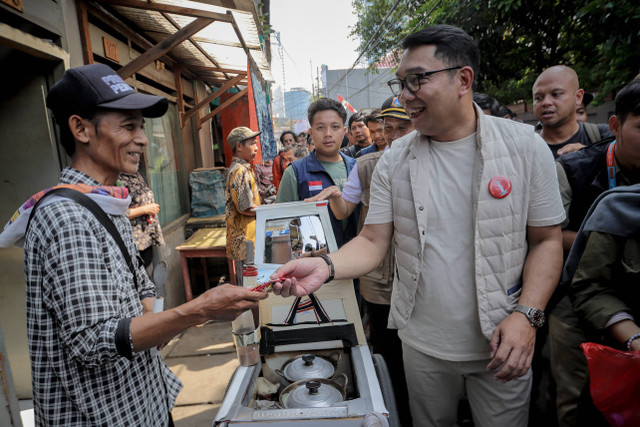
[241,194]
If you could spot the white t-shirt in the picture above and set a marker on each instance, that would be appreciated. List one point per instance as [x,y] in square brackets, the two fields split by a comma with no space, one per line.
[352,190]
[448,281]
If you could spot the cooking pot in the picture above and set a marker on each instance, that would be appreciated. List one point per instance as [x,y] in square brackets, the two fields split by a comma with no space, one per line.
[317,393]
[309,366]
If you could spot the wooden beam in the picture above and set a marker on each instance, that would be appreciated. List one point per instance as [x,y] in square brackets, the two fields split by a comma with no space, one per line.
[225,104]
[16,39]
[85,35]
[213,95]
[159,7]
[163,47]
[178,78]
[195,44]
[220,81]
[217,69]
[123,29]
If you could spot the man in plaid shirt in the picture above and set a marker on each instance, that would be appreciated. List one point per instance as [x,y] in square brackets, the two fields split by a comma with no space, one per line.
[90,322]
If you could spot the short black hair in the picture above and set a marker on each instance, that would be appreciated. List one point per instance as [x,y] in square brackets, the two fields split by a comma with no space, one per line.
[285,133]
[357,117]
[628,100]
[487,102]
[506,111]
[324,104]
[454,46]
[68,142]
[373,117]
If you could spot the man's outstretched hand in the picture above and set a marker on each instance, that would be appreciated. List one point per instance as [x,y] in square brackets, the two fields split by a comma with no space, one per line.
[306,275]
[226,302]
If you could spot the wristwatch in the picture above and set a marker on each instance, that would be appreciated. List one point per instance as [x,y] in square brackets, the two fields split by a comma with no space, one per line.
[535,315]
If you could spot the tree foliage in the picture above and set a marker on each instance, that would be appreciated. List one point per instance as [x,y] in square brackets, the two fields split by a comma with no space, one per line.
[518,39]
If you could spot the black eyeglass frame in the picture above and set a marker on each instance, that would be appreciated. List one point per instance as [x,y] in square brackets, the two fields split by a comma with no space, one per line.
[418,76]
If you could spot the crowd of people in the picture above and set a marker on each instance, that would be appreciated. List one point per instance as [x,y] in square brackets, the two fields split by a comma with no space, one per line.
[455,218]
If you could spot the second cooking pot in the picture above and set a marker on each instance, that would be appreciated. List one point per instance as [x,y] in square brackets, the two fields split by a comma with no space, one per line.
[318,393]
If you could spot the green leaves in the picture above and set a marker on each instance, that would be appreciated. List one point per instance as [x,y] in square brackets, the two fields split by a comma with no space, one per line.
[518,39]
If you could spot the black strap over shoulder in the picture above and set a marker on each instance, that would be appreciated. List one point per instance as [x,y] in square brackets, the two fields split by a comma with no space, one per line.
[100,215]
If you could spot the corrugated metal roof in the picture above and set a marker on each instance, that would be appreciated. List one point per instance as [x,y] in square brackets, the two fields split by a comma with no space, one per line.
[218,40]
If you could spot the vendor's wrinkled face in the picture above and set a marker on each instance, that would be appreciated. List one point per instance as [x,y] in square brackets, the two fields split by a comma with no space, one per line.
[114,144]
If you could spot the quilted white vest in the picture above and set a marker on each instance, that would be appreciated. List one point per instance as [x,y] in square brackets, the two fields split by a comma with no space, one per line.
[500,246]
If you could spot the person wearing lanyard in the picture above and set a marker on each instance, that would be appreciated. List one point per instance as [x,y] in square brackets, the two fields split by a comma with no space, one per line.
[582,177]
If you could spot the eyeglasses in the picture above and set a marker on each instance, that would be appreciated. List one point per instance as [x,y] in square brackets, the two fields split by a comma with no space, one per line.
[412,81]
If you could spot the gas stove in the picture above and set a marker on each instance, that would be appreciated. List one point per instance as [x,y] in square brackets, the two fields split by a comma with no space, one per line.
[291,327]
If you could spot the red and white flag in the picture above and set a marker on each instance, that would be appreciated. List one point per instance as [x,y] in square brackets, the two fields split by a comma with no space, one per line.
[346,104]
[315,185]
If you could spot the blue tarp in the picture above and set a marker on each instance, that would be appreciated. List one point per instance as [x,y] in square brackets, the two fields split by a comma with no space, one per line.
[207,193]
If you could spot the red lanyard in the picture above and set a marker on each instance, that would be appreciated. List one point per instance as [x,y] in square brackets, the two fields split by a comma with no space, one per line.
[611,165]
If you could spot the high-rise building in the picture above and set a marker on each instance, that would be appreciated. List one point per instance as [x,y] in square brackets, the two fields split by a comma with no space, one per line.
[297,102]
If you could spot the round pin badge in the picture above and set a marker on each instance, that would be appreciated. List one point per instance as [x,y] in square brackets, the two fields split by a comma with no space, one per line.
[499,187]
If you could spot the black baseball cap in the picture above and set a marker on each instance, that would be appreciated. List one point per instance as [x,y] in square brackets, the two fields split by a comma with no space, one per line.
[83,89]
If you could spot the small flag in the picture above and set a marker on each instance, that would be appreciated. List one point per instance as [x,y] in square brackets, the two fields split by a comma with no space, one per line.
[315,185]
[346,104]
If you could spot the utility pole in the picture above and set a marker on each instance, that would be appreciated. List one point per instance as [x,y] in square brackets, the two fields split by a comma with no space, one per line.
[318,80]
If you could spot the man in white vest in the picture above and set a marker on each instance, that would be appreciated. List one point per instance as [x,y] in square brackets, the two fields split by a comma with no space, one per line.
[471,204]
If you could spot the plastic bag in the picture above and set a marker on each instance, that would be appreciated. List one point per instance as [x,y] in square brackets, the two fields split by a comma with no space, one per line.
[615,383]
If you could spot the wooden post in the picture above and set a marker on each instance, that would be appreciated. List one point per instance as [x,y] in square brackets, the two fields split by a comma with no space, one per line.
[85,35]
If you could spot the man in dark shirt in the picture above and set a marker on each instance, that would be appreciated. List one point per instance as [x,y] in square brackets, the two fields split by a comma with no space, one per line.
[582,177]
[360,133]
[556,94]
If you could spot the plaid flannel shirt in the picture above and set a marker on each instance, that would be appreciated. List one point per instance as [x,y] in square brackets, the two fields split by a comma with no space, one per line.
[78,289]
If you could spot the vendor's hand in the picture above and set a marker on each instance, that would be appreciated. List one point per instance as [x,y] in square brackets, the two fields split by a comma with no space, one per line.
[152,209]
[328,193]
[570,148]
[512,345]
[306,276]
[226,302]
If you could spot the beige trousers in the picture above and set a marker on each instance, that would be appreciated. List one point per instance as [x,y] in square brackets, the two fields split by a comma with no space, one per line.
[436,386]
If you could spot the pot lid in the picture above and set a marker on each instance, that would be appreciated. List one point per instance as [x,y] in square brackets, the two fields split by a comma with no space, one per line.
[308,366]
[312,394]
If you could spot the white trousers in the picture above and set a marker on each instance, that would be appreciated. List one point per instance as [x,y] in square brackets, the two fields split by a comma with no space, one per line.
[436,386]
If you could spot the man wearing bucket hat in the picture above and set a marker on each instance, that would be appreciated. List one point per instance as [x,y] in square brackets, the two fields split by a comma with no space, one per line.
[89,303]
[241,194]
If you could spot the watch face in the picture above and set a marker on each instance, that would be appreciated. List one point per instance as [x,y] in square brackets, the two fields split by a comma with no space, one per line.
[537,317]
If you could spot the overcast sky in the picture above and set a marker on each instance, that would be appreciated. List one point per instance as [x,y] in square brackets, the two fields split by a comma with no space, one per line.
[312,33]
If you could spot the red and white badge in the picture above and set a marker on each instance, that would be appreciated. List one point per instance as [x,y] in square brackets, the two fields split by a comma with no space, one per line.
[499,187]
[315,185]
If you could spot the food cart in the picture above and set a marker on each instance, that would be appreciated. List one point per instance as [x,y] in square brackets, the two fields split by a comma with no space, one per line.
[315,363]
